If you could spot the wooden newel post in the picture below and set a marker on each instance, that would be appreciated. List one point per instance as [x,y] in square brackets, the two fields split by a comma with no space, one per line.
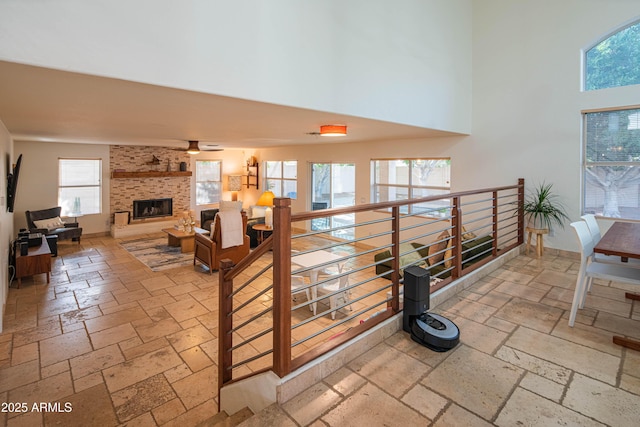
[282,286]
[225,324]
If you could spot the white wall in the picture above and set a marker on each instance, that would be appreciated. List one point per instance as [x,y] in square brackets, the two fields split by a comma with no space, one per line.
[527,104]
[6,218]
[526,70]
[405,61]
[527,97]
[38,184]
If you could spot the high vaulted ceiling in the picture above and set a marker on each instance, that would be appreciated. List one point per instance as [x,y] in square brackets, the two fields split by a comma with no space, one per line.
[40,104]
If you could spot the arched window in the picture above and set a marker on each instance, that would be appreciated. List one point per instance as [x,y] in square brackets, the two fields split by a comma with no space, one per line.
[615,61]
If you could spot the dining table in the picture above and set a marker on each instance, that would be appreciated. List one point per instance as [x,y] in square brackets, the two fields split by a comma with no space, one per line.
[313,263]
[623,240]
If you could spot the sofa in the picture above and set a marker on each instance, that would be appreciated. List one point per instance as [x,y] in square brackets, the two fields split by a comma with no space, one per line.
[255,216]
[472,250]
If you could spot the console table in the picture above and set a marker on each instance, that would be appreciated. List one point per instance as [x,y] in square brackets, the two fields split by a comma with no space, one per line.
[37,261]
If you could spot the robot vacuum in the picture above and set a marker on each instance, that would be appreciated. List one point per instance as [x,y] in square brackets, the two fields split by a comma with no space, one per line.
[430,330]
[435,332]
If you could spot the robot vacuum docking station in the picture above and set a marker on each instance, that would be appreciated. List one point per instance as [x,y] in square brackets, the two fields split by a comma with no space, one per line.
[430,330]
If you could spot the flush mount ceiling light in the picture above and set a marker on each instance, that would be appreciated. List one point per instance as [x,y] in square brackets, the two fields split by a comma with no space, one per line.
[333,130]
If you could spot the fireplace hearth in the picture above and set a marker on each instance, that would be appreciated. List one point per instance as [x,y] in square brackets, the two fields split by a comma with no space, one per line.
[152,208]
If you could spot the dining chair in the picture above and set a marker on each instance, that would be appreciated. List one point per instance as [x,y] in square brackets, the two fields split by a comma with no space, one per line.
[298,286]
[590,270]
[594,228]
[335,289]
[596,235]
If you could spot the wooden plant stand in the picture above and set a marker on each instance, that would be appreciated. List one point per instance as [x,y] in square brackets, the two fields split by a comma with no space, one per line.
[539,232]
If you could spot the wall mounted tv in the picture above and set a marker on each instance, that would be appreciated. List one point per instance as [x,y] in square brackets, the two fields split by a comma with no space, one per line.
[12,184]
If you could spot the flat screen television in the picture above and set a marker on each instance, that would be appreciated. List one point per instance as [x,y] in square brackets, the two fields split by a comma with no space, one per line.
[12,184]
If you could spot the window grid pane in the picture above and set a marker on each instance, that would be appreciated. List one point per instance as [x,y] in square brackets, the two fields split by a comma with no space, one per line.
[274,169]
[612,164]
[281,178]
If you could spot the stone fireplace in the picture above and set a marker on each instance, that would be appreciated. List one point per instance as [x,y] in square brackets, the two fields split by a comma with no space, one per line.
[151,179]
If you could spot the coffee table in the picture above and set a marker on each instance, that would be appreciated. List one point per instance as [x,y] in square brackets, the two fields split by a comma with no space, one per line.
[186,241]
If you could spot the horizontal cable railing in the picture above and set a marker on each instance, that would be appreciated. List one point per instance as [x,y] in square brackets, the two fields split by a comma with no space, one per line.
[353,282]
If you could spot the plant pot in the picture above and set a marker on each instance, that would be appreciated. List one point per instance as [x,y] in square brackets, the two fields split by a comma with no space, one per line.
[537,223]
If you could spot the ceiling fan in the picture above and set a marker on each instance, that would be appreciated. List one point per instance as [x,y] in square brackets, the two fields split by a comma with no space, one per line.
[193,148]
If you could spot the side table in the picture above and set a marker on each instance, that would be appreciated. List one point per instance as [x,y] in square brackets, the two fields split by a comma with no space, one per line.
[263,231]
[37,261]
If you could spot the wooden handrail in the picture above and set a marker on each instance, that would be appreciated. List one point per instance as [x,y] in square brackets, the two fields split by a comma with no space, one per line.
[322,213]
[280,243]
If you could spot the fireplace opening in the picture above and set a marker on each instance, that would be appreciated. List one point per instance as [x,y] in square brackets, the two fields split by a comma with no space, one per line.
[152,208]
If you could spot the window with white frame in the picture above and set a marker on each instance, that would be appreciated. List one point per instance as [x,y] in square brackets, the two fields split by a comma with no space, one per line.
[402,179]
[611,168]
[80,186]
[208,181]
[614,61]
[281,177]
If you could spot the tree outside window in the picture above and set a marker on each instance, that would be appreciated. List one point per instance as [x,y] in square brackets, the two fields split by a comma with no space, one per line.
[612,163]
[611,160]
[614,61]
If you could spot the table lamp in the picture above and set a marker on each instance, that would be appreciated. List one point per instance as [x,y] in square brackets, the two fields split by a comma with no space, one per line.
[266,199]
[234,185]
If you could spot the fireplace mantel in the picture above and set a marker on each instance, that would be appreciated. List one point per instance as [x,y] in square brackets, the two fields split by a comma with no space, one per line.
[149,174]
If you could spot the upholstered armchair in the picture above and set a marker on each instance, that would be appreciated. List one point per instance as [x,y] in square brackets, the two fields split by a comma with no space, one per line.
[209,251]
[207,216]
[48,222]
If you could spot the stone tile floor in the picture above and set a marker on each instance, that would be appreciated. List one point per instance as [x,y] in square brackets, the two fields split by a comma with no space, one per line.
[117,344]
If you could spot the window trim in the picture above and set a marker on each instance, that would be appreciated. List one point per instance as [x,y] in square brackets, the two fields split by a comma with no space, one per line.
[197,181]
[585,50]
[281,179]
[585,163]
[410,187]
[99,186]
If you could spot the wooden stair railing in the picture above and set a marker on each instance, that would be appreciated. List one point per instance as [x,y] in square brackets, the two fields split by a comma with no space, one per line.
[505,216]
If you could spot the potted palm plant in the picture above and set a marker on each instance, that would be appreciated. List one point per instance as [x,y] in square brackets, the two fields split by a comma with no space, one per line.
[542,208]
